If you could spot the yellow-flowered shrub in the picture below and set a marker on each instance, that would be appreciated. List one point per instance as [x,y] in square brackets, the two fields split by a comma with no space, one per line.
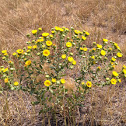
[59,68]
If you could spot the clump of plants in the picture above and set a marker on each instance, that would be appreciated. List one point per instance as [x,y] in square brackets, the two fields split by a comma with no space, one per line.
[59,69]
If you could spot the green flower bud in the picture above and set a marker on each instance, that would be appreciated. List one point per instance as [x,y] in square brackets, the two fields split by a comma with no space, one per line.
[94,43]
[47,76]
[12,69]
[38,54]
[107,79]
[71,54]
[58,82]
[71,67]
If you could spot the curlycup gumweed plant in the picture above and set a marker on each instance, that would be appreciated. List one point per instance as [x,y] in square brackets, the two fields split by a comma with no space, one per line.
[58,68]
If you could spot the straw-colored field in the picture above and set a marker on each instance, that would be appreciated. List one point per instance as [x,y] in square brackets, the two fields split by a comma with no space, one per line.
[101,18]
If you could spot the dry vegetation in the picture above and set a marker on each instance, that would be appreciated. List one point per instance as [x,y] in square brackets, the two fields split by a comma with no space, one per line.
[101,18]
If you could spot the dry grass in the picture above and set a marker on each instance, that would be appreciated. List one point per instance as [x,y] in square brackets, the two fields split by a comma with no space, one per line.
[101,18]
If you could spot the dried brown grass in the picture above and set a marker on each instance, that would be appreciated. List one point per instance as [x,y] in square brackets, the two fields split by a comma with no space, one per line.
[19,17]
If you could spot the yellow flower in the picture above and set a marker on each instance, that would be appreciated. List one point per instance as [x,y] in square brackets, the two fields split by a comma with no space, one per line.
[103,52]
[53,32]
[124,71]
[119,54]
[99,46]
[53,80]
[70,59]
[51,36]
[74,62]
[16,83]
[62,81]
[48,43]
[19,51]
[86,33]
[119,80]
[14,54]
[99,68]
[46,52]
[105,40]
[34,46]
[110,49]
[29,47]
[63,56]
[113,81]
[83,37]
[84,49]
[6,80]
[115,73]
[113,59]
[68,44]
[4,51]
[5,70]
[34,32]
[88,83]
[45,34]
[77,32]
[82,83]
[40,29]
[47,83]
[28,62]
[5,54]
[93,57]
[124,66]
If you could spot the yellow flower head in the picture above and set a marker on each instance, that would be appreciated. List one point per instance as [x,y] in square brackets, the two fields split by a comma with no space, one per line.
[93,57]
[86,33]
[68,44]
[4,51]
[53,32]
[16,83]
[40,29]
[103,52]
[113,59]
[88,83]
[46,52]
[28,62]
[20,51]
[47,83]
[114,73]
[14,54]
[113,81]
[48,43]
[70,59]
[105,40]
[124,71]
[124,66]
[29,47]
[5,54]
[5,70]
[99,68]
[62,81]
[85,49]
[45,34]
[63,56]
[34,32]
[77,32]
[119,80]
[119,54]
[74,62]
[53,80]
[99,46]
[6,80]
[83,37]
[82,83]
[34,47]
